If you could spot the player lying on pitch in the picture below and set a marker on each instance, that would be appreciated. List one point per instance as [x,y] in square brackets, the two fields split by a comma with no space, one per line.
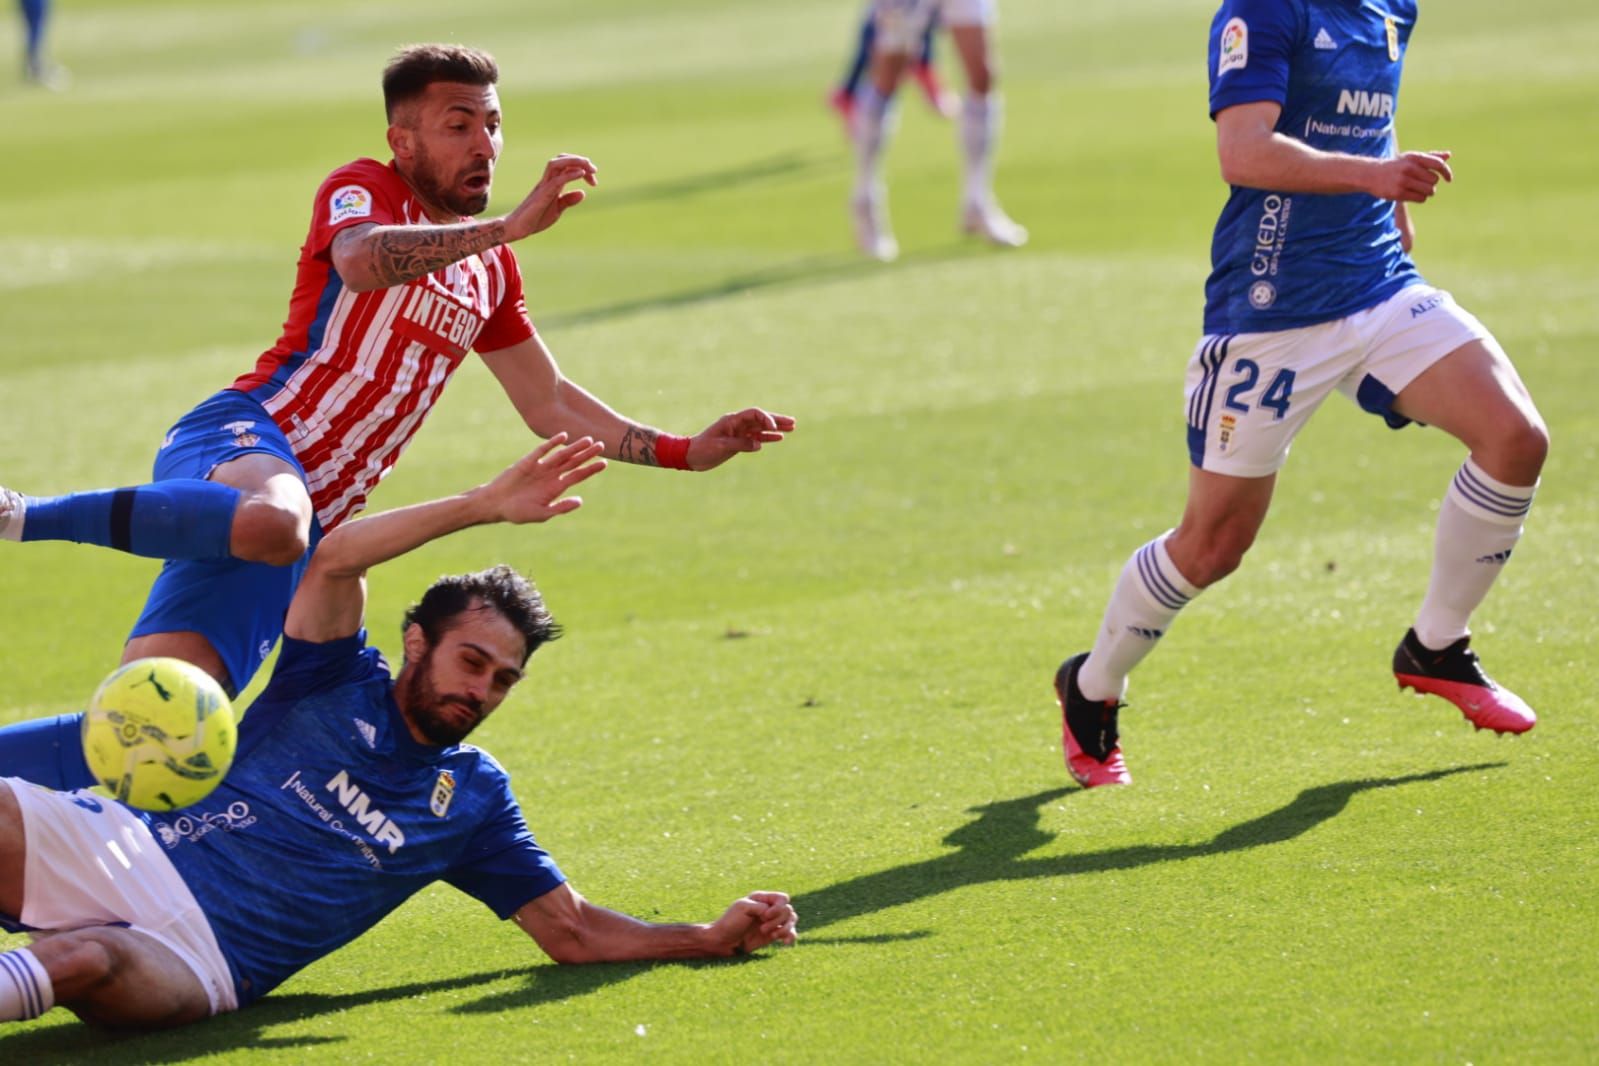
[350,792]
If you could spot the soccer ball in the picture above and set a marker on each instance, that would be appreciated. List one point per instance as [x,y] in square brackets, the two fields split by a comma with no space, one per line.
[159,734]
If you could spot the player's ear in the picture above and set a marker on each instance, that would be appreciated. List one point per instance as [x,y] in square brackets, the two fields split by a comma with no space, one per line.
[399,141]
[416,643]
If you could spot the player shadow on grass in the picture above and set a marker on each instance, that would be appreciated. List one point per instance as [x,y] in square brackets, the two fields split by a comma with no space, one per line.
[991,848]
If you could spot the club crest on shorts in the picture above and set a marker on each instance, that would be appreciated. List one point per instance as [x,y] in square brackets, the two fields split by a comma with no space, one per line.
[1229,423]
[242,437]
[443,793]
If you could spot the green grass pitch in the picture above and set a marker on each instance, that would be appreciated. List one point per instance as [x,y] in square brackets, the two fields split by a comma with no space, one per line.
[826,668]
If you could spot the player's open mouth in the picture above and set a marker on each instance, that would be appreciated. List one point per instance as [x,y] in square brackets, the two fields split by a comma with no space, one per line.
[477,183]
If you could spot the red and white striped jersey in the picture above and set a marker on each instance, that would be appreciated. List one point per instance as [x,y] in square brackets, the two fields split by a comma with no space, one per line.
[355,373]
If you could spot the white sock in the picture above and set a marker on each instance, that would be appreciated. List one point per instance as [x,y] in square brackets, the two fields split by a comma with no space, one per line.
[1146,599]
[25,989]
[873,126]
[1478,523]
[981,115]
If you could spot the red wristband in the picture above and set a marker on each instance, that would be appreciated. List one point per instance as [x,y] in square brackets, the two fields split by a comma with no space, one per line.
[671,452]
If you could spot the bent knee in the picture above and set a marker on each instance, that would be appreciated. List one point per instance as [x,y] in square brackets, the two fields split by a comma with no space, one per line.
[1515,451]
[265,531]
[1529,447]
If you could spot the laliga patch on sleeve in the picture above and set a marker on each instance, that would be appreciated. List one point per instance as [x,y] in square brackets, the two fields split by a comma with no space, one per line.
[349,201]
[1234,51]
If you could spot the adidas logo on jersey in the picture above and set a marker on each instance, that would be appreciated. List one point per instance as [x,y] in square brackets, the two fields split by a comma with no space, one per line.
[1324,40]
[368,731]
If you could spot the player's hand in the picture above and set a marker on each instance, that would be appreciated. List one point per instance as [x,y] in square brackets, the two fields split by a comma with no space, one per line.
[533,489]
[1411,177]
[741,431]
[755,921]
[548,200]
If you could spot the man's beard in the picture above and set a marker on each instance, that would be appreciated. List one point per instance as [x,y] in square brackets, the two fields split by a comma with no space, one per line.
[425,175]
[425,708]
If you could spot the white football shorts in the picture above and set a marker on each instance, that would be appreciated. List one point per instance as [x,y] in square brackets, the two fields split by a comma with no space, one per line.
[90,862]
[1249,394]
[900,24]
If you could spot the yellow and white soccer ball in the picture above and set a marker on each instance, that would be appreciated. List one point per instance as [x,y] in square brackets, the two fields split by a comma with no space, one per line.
[159,734]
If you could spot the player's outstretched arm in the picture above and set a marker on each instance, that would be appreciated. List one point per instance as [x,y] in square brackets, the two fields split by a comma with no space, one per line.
[549,404]
[570,929]
[331,599]
[371,256]
[1254,155]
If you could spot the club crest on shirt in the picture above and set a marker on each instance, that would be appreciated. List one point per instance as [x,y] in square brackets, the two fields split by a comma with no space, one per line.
[349,201]
[1234,51]
[1393,37]
[443,793]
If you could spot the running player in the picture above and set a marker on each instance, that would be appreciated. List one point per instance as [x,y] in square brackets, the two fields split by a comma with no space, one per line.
[899,27]
[1312,290]
[395,286]
[350,792]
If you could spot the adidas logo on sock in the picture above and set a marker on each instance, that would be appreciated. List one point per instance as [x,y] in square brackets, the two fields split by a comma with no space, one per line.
[1324,40]
[1496,557]
[1147,634]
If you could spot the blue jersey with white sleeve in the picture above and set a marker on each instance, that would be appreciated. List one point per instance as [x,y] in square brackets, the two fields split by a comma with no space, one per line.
[1284,260]
[333,815]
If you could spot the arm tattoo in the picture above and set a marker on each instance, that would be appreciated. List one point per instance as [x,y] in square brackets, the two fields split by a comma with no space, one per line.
[638,446]
[399,254]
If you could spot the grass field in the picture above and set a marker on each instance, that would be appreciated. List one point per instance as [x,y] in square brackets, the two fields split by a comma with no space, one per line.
[826,668]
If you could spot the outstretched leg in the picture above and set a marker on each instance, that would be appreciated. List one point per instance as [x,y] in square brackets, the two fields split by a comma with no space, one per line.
[1475,395]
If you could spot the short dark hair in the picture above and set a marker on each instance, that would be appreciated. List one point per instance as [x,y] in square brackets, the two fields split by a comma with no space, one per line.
[417,66]
[499,588]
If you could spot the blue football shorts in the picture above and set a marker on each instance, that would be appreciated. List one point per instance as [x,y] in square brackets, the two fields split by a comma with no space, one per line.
[236,605]
[1249,394]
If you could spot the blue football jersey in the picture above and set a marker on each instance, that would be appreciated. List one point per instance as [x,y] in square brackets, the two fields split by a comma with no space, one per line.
[333,815]
[1283,260]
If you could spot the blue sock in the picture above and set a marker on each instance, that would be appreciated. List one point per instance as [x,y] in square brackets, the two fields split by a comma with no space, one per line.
[184,518]
[46,751]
